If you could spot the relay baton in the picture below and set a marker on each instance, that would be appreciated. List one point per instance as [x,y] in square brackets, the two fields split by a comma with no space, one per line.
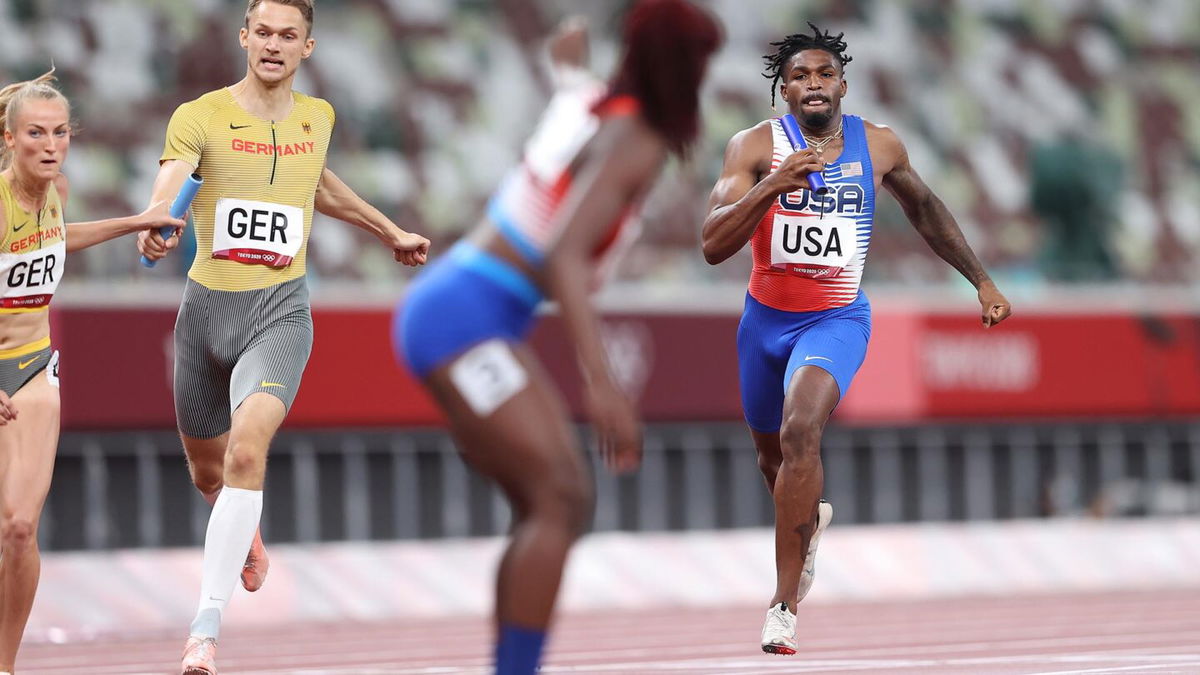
[816,182]
[179,207]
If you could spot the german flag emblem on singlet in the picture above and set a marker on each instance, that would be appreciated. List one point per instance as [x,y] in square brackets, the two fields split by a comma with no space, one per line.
[253,216]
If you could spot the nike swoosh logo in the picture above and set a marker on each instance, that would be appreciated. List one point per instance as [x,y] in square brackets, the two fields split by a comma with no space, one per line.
[17,228]
[810,358]
[237,126]
[266,384]
[25,364]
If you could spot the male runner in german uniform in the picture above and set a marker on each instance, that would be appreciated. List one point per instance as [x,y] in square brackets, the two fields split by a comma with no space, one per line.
[244,330]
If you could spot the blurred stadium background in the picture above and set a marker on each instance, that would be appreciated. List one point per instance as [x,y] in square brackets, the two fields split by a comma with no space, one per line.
[1065,136]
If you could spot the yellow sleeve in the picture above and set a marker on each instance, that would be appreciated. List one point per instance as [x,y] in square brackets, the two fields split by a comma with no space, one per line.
[186,134]
[328,108]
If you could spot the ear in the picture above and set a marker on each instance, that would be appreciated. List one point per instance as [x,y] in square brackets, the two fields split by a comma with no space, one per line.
[9,141]
[309,45]
[244,37]
[843,86]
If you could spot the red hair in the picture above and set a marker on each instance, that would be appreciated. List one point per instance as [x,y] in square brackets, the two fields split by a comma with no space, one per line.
[667,45]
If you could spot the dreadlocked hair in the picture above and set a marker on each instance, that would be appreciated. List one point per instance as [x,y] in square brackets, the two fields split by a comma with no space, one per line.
[788,47]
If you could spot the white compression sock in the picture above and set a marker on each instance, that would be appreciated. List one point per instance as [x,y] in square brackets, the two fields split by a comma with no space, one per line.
[230,530]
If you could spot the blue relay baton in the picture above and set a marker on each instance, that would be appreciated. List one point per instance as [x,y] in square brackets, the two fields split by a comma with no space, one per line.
[816,182]
[178,208]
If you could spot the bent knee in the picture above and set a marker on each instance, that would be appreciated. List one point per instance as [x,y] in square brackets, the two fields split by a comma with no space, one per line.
[245,459]
[801,438]
[568,499]
[769,465]
[207,476]
[17,532]
[208,483]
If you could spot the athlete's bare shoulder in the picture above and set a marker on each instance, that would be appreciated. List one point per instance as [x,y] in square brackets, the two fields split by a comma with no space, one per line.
[885,146]
[758,136]
[632,137]
[752,148]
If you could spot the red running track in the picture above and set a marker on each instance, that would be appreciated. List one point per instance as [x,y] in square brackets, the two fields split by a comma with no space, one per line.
[1145,632]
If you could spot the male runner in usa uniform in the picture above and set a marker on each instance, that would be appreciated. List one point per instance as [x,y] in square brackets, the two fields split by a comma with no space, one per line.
[806,324]
[244,330]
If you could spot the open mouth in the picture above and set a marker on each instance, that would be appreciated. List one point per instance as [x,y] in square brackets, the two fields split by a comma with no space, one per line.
[814,101]
[271,63]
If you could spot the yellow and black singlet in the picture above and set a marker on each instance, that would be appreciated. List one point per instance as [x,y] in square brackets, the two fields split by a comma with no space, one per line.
[32,252]
[254,212]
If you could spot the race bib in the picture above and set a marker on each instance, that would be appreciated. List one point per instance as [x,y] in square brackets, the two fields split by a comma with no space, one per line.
[811,246]
[31,278]
[487,376]
[257,233]
[52,370]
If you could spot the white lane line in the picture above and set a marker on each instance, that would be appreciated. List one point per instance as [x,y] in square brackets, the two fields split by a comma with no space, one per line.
[1138,668]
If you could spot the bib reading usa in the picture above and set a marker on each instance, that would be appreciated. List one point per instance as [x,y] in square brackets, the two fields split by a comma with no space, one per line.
[812,246]
[257,233]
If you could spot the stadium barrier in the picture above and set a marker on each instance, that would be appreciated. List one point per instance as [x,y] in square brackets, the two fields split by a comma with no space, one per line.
[131,489]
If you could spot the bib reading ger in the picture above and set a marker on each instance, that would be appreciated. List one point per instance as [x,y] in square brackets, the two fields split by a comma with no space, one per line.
[812,246]
[257,233]
[31,278]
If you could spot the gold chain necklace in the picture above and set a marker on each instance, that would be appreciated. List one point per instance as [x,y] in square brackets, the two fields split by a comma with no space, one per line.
[819,144]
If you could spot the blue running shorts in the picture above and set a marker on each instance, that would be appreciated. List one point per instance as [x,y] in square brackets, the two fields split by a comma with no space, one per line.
[467,297]
[773,344]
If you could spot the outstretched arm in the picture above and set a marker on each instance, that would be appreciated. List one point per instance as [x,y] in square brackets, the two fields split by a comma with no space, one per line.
[82,235]
[171,175]
[336,200]
[930,217]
